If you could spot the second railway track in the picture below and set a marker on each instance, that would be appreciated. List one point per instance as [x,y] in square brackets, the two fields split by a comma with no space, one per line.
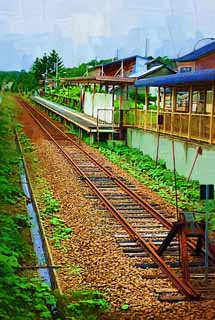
[145,226]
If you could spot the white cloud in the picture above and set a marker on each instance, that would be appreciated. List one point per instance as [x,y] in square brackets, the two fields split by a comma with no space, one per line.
[84,29]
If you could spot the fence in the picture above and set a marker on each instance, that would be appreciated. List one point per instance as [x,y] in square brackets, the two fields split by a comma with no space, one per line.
[200,127]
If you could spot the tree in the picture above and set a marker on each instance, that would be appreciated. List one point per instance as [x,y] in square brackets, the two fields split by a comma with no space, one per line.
[39,67]
[167,61]
[47,66]
[83,68]
[25,82]
[55,63]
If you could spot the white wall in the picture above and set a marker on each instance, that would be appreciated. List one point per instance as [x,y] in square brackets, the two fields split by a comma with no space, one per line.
[99,101]
[204,170]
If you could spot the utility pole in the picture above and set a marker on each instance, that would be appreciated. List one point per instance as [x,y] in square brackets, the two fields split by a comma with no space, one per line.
[146,47]
[46,74]
[117,54]
[56,74]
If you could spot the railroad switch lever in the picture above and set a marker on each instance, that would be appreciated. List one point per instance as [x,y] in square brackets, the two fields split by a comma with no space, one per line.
[186,227]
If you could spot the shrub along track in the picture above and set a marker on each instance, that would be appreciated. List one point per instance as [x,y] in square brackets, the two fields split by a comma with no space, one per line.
[125,204]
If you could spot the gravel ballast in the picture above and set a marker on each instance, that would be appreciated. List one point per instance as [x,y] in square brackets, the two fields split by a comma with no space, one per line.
[91,258]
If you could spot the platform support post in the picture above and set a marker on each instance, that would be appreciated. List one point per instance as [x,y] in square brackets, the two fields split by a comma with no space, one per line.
[92,138]
[110,136]
[206,234]
[80,133]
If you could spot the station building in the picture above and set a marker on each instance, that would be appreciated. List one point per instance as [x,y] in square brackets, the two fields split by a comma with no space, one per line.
[185,100]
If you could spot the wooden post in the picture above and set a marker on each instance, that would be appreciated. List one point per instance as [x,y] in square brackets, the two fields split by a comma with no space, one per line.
[146,104]
[94,92]
[158,107]
[212,115]
[158,127]
[135,101]
[92,138]
[127,92]
[147,97]
[205,98]
[164,98]
[113,95]
[121,113]
[163,107]
[122,69]
[159,99]
[173,100]
[190,111]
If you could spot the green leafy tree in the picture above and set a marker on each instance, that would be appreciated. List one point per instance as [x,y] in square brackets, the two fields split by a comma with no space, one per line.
[167,61]
[55,63]
[83,68]
[38,68]
[25,81]
[47,65]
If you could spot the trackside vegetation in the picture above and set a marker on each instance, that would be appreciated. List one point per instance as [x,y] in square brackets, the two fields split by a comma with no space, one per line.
[158,178]
[23,295]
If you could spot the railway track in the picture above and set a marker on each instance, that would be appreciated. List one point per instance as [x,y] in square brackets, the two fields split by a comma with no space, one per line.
[144,224]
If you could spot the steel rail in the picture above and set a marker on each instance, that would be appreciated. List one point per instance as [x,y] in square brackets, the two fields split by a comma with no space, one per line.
[168,224]
[184,287]
[140,201]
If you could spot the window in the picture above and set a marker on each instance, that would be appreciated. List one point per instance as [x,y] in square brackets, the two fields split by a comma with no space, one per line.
[202,101]
[185,69]
[209,101]
[168,99]
[182,101]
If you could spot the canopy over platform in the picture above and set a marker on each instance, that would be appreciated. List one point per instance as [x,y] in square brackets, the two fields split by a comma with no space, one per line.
[105,80]
[197,77]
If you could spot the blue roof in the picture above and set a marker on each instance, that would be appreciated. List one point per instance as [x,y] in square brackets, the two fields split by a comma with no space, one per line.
[178,78]
[198,53]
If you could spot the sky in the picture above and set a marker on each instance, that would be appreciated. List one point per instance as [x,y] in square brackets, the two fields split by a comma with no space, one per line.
[82,30]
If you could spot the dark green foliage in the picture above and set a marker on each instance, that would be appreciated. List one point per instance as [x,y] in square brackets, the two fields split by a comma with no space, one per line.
[82,305]
[8,160]
[51,206]
[21,298]
[167,61]
[7,76]
[55,63]
[25,82]
[83,69]
[47,66]
[18,81]
[60,94]
[141,97]
[159,179]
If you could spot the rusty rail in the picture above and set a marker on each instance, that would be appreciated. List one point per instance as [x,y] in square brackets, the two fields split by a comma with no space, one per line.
[183,286]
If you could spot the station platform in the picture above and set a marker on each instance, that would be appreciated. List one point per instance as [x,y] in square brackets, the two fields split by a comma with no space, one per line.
[81,120]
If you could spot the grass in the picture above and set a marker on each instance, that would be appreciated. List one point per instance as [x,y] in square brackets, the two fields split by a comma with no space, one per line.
[159,179]
[22,294]
[76,305]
